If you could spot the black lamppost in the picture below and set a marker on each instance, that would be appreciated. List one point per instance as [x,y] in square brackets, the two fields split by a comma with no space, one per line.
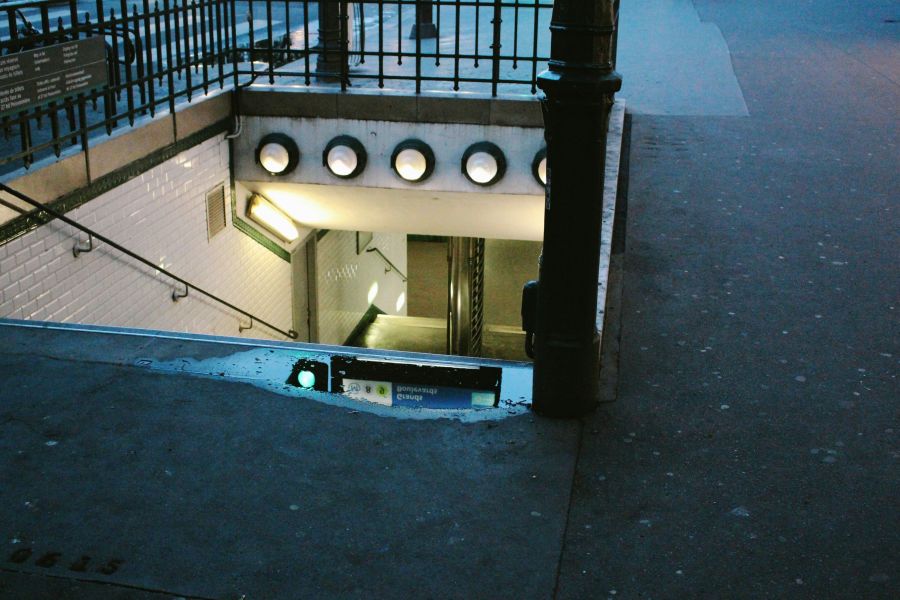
[423,28]
[328,61]
[579,87]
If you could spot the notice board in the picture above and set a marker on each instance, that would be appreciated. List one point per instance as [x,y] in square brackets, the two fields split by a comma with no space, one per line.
[38,77]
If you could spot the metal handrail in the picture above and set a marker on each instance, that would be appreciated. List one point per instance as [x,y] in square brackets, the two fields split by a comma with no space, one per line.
[391,266]
[290,333]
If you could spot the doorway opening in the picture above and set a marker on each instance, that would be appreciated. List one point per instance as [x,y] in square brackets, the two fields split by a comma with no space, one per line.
[418,293]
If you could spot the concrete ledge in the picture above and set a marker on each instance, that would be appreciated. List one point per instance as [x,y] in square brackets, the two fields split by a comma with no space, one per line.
[197,116]
[107,155]
[377,105]
[610,193]
[55,179]
[447,108]
[125,153]
[288,103]
[81,190]
[52,180]
[516,113]
[120,151]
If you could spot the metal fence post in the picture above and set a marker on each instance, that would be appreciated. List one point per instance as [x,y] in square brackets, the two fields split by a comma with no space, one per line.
[496,22]
[578,87]
[424,28]
[328,61]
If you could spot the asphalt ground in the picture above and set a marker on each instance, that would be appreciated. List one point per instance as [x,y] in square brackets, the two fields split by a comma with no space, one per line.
[753,449]
[118,479]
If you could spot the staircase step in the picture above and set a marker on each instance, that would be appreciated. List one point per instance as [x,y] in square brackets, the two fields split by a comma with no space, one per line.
[428,334]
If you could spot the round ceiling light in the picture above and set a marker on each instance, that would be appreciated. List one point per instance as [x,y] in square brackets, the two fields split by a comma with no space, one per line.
[483,163]
[539,166]
[278,154]
[413,161]
[345,157]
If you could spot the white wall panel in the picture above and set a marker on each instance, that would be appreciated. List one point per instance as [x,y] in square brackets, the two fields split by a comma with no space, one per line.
[160,215]
[344,279]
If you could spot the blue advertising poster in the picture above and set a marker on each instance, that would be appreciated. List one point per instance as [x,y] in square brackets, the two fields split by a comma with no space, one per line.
[414,384]
[416,395]
[429,396]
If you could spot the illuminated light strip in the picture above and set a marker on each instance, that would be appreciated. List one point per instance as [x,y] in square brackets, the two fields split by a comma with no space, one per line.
[264,212]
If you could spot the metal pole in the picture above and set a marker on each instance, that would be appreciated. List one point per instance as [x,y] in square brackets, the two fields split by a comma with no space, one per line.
[578,87]
[465,320]
[423,28]
[459,301]
[328,61]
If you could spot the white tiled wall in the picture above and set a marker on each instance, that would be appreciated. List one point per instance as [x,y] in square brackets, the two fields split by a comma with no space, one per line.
[345,278]
[160,215]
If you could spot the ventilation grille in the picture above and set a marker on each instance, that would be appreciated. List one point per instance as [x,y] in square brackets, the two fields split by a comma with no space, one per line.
[215,210]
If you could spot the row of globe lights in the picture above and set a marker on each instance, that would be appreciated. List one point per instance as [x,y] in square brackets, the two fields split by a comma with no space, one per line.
[483,163]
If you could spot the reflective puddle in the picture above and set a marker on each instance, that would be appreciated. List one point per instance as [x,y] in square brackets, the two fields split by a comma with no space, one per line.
[407,386]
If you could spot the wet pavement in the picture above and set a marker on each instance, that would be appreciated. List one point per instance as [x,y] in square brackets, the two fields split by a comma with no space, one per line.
[120,471]
[753,450]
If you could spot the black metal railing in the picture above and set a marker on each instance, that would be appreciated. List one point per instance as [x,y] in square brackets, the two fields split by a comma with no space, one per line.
[164,52]
[390,266]
[43,214]
[157,55]
[490,46]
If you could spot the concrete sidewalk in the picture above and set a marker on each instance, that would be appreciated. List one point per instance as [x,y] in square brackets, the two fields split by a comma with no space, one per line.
[194,487]
[753,451]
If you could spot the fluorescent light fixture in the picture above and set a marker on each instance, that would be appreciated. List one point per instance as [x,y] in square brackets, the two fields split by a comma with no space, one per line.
[539,167]
[298,206]
[483,163]
[264,212]
[413,161]
[278,154]
[373,293]
[345,157]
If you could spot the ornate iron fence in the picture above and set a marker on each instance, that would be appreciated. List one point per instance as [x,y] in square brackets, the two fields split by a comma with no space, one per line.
[156,55]
[487,46]
[165,52]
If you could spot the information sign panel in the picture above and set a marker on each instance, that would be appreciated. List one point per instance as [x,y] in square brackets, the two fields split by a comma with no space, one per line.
[417,385]
[37,77]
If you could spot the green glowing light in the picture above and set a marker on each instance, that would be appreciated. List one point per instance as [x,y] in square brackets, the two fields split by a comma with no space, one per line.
[306,379]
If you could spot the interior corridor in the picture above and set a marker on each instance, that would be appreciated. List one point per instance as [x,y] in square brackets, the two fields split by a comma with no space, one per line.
[508,264]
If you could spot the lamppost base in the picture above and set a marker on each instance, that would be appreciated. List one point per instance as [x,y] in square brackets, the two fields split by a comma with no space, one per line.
[567,379]
[423,31]
[328,67]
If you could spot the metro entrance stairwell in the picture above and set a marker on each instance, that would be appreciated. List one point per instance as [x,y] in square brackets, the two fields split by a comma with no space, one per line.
[482,185]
